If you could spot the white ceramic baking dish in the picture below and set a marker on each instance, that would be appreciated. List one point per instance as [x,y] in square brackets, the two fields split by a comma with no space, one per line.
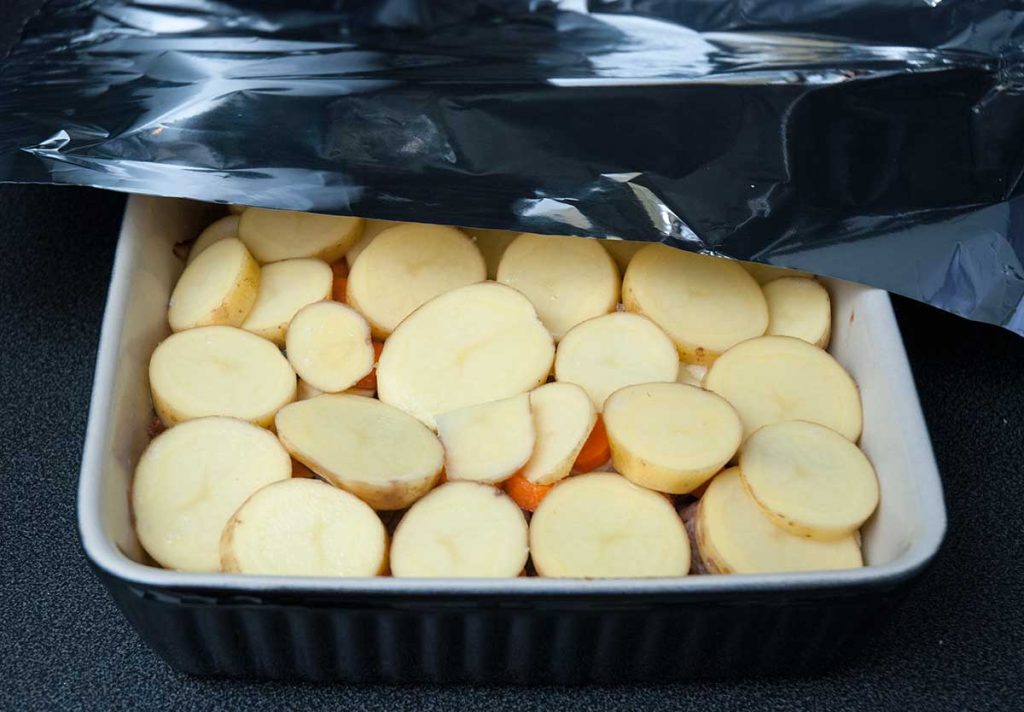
[526,629]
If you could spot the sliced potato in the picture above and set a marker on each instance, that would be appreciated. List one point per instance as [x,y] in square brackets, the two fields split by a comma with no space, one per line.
[670,437]
[371,228]
[809,479]
[568,279]
[705,304]
[378,453]
[275,235]
[609,352]
[215,232]
[479,343]
[563,416]
[461,529]
[192,478]
[799,307]
[487,442]
[776,378]
[735,537]
[492,244]
[306,391]
[328,344]
[622,251]
[286,287]
[219,288]
[406,266]
[603,526]
[691,374]
[766,273]
[303,527]
[219,370]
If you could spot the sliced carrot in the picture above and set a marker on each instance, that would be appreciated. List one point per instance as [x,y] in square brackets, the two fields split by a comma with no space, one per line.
[339,289]
[526,494]
[596,450]
[369,381]
[340,268]
[300,470]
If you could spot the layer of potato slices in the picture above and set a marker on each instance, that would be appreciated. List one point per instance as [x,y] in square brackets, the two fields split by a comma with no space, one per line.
[275,235]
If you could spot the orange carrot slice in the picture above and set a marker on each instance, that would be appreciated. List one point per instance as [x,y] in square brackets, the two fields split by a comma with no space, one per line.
[526,494]
[595,451]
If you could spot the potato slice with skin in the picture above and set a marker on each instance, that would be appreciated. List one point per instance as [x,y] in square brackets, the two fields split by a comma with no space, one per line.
[766,273]
[568,279]
[304,527]
[405,267]
[809,479]
[219,370]
[799,307]
[609,352]
[219,287]
[776,378]
[275,235]
[216,231]
[736,537]
[603,526]
[286,287]
[492,245]
[472,345]
[622,251]
[461,529]
[386,458]
[328,344]
[670,437]
[705,304]
[192,478]
[371,228]
[487,442]
[563,416]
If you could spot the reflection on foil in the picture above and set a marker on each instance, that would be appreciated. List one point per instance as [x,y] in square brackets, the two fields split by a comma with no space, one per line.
[873,140]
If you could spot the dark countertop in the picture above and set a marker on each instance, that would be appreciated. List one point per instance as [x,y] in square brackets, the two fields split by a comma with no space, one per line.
[957,643]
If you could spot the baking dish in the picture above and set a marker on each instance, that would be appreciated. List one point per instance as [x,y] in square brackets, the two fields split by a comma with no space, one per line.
[527,630]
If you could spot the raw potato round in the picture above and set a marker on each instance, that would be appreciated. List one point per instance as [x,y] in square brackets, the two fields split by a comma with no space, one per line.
[328,344]
[219,287]
[192,478]
[799,307]
[735,537]
[776,378]
[705,304]
[215,232]
[275,235]
[622,251]
[487,442]
[670,437]
[602,526]
[407,266]
[303,527]
[492,245]
[766,273]
[286,287]
[612,351]
[219,370]
[563,416]
[568,279]
[371,228]
[472,345]
[460,530]
[378,453]
[809,479]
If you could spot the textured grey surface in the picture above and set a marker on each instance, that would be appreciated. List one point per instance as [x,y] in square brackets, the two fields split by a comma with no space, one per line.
[957,643]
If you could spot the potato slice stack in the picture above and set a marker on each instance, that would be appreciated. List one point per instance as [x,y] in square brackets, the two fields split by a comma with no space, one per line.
[329,374]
